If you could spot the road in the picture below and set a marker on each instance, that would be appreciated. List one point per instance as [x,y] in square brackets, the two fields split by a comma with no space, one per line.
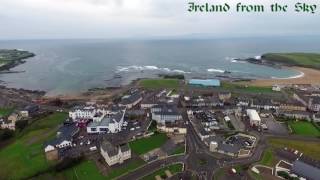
[153,166]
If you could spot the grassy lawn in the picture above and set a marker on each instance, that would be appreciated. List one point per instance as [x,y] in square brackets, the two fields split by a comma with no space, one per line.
[88,170]
[160,83]
[304,128]
[248,89]
[144,145]
[85,170]
[311,149]
[311,60]
[178,150]
[267,158]
[175,168]
[6,111]
[25,157]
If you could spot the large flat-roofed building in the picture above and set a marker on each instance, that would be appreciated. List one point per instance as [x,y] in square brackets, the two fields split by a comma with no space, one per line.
[253,117]
[205,82]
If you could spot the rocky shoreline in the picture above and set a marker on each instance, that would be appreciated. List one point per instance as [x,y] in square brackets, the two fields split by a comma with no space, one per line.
[13,58]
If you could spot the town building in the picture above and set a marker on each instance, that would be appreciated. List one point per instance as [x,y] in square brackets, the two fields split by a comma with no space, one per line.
[305,170]
[131,100]
[299,115]
[107,124]
[10,122]
[173,128]
[63,140]
[292,105]
[264,103]
[163,113]
[114,154]
[87,112]
[29,110]
[254,117]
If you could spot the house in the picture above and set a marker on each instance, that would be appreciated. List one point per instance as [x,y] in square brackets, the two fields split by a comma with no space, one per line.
[309,99]
[305,170]
[86,112]
[163,113]
[292,105]
[112,124]
[131,100]
[316,117]
[173,128]
[224,96]
[264,103]
[114,154]
[301,115]
[10,122]
[198,102]
[254,117]
[277,87]
[242,101]
[64,139]
[29,110]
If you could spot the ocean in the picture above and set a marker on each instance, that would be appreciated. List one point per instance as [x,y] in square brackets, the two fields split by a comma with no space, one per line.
[71,66]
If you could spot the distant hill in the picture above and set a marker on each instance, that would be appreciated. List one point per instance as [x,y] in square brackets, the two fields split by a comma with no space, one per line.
[309,60]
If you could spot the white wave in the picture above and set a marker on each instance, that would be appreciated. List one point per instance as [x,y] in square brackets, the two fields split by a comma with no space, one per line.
[151,67]
[301,74]
[142,68]
[179,71]
[216,70]
[257,57]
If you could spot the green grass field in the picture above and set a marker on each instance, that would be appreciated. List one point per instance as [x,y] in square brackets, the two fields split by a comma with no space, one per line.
[6,111]
[174,169]
[304,128]
[85,170]
[178,150]
[144,145]
[311,60]
[160,83]
[25,157]
[267,158]
[311,149]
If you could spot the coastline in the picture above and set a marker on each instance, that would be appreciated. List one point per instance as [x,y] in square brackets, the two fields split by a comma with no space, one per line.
[306,76]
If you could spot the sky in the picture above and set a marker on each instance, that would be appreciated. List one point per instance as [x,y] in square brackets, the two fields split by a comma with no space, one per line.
[55,19]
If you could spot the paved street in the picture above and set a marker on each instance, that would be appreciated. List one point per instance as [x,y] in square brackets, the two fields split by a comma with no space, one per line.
[153,166]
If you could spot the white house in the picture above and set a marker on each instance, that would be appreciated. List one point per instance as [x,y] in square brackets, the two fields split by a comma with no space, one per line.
[114,154]
[63,140]
[88,112]
[112,124]
[254,117]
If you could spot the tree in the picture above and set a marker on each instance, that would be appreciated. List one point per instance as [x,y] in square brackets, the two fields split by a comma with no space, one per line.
[20,125]
[6,134]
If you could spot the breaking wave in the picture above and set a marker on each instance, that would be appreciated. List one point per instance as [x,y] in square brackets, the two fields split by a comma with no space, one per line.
[146,68]
[216,70]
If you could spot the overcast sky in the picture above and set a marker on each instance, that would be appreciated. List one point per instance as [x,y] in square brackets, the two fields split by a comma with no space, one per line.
[36,19]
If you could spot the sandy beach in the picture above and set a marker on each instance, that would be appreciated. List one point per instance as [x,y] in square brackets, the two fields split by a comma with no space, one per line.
[308,76]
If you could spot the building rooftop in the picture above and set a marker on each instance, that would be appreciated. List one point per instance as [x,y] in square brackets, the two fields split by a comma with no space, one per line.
[204,82]
[129,99]
[305,170]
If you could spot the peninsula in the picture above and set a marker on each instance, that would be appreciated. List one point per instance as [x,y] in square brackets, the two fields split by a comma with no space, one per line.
[10,58]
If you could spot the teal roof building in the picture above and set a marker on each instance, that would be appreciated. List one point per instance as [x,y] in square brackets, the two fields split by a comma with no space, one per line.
[205,82]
